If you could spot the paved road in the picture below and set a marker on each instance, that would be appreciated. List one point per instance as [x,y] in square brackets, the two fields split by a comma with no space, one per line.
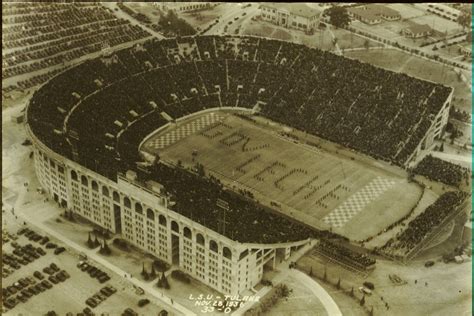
[284,272]
[120,14]
[329,304]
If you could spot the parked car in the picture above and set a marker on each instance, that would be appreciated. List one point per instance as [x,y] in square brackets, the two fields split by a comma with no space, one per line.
[40,251]
[91,302]
[51,245]
[143,302]
[54,267]
[429,263]
[44,240]
[48,270]
[38,275]
[59,250]
[46,284]
[129,312]
[369,285]
[53,279]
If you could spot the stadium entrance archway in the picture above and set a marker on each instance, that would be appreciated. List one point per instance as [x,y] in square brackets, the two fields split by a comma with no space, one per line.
[175,249]
[117,219]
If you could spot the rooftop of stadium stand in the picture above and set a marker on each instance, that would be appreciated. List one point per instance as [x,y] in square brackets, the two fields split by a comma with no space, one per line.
[123,98]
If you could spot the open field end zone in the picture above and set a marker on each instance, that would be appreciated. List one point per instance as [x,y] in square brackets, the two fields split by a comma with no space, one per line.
[309,184]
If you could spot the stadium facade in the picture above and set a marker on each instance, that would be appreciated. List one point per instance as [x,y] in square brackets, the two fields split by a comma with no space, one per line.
[139,213]
[142,212]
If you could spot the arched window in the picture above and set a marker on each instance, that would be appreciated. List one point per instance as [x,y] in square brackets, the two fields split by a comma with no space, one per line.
[116,197]
[200,239]
[227,253]
[187,233]
[94,185]
[84,180]
[213,246]
[150,214]
[162,220]
[74,175]
[105,191]
[126,202]
[138,208]
[174,226]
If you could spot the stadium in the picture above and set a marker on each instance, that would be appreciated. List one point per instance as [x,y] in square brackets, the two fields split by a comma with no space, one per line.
[223,155]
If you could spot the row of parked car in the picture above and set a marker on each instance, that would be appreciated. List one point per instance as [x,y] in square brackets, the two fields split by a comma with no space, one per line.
[22,255]
[43,240]
[6,237]
[93,271]
[27,287]
[100,296]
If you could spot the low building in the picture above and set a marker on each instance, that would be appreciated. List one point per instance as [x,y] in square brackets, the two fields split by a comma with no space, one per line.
[291,15]
[184,6]
[373,13]
[417,31]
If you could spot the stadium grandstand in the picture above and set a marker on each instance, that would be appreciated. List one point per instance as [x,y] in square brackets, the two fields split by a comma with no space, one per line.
[96,170]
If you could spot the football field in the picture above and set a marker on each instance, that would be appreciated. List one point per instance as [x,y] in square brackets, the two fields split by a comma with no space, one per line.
[301,181]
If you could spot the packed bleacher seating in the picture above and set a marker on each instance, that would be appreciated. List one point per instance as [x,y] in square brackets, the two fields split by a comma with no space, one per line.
[419,228]
[442,171]
[374,111]
[347,256]
[39,35]
[196,198]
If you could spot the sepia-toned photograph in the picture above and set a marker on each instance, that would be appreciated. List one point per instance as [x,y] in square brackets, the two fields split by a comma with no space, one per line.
[244,159]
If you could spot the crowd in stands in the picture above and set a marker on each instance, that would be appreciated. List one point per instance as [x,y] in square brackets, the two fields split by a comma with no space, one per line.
[419,228]
[346,255]
[196,198]
[48,34]
[375,111]
[443,171]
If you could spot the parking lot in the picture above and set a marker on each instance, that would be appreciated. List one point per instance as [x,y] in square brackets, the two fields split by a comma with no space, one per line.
[36,281]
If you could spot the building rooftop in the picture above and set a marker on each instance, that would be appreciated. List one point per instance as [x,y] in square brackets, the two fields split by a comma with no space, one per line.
[300,9]
[419,28]
[374,11]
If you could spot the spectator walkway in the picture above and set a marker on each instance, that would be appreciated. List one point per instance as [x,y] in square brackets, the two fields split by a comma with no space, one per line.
[357,202]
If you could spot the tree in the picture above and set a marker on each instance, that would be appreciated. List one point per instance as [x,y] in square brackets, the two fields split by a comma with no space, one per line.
[362,301]
[96,242]
[105,249]
[90,243]
[152,272]
[338,16]
[143,269]
[338,285]
[164,281]
[441,148]
[464,18]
